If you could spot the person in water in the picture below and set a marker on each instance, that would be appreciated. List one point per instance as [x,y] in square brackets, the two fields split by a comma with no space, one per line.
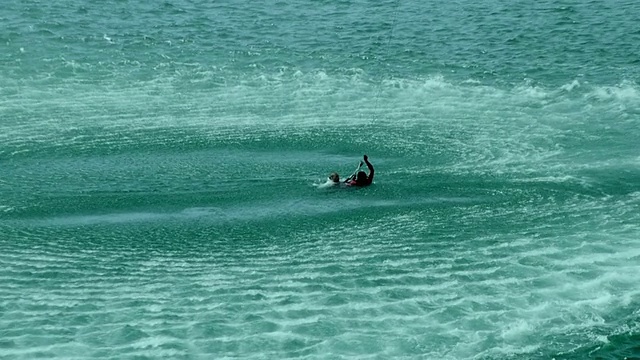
[361,178]
[334,177]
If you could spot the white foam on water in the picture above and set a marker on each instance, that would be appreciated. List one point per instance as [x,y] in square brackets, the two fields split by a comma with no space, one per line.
[571,86]
[626,92]
[328,184]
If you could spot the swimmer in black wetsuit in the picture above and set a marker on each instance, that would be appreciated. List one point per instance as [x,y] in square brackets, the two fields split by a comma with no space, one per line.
[361,178]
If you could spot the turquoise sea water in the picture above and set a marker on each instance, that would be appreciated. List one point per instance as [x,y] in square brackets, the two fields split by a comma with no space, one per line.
[159,165]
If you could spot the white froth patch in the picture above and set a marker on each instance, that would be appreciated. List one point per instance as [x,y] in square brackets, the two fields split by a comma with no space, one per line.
[328,184]
[623,92]
[602,338]
[517,330]
[569,87]
[534,92]
[321,75]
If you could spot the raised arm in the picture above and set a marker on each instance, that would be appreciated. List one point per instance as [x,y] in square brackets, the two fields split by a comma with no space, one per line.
[371,171]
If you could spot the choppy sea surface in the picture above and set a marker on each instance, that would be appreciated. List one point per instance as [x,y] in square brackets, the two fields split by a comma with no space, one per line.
[160,163]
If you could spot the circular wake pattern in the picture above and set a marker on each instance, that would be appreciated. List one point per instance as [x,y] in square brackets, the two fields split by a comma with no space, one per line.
[160,165]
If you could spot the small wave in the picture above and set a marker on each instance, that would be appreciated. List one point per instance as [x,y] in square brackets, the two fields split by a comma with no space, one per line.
[6,208]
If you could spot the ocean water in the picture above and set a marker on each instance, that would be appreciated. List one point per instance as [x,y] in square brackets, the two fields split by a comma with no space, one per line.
[160,163]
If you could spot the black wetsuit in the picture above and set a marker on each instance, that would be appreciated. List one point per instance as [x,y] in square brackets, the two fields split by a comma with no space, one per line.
[365,182]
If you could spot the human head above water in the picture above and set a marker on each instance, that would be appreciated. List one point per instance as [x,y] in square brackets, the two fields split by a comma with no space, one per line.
[334,177]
